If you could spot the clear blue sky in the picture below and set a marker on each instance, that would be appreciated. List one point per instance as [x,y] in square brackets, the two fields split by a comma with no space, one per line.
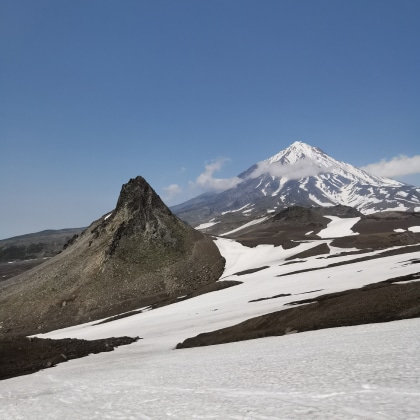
[95,92]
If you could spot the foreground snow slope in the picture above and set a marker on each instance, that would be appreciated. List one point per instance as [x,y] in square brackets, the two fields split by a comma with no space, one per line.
[363,372]
[169,325]
[368,371]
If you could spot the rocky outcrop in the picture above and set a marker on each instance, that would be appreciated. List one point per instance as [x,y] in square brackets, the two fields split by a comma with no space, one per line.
[138,253]
[24,355]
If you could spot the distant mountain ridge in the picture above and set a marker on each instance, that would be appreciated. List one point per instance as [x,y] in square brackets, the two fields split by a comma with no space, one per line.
[301,175]
[46,243]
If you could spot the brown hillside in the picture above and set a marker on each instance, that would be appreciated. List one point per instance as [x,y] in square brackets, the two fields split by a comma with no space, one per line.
[137,253]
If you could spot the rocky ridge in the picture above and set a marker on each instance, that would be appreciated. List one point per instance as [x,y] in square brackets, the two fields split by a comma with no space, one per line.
[139,253]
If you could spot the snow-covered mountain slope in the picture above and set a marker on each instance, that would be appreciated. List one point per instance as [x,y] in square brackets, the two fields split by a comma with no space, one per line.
[306,176]
[344,373]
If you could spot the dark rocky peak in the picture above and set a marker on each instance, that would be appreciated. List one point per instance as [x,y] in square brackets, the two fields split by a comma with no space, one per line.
[138,196]
[141,215]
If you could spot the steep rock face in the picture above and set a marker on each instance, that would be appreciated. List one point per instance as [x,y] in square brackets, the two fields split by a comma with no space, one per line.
[136,255]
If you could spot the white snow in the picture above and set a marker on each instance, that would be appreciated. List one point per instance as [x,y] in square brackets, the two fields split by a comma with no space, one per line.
[108,216]
[414,229]
[399,230]
[319,202]
[251,223]
[299,152]
[363,372]
[282,181]
[206,225]
[264,189]
[339,227]
[236,210]
[328,181]
[369,371]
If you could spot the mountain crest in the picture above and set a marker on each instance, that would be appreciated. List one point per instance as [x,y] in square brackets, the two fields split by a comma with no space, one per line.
[301,175]
[295,152]
[137,195]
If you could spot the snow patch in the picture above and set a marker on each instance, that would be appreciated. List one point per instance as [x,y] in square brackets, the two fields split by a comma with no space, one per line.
[319,202]
[234,211]
[252,222]
[206,225]
[339,227]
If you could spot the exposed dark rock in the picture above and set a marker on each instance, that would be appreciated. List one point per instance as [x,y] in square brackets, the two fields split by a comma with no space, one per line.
[377,240]
[21,355]
[250,271]
[271,297]
[309,291]
[298,216]
[70,241]
[320,249]
[289,225]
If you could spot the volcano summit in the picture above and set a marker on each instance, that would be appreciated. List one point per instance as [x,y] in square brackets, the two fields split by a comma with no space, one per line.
[301,175]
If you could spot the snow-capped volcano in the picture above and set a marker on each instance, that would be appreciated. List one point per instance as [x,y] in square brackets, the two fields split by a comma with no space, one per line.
[301,160]
[302,175]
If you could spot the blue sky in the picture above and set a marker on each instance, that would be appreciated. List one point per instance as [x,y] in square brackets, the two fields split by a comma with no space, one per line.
[95,92]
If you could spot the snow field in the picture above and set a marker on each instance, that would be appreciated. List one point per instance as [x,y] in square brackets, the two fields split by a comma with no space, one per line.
[370,371]
[339,227]
[206,225]
[344,373]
